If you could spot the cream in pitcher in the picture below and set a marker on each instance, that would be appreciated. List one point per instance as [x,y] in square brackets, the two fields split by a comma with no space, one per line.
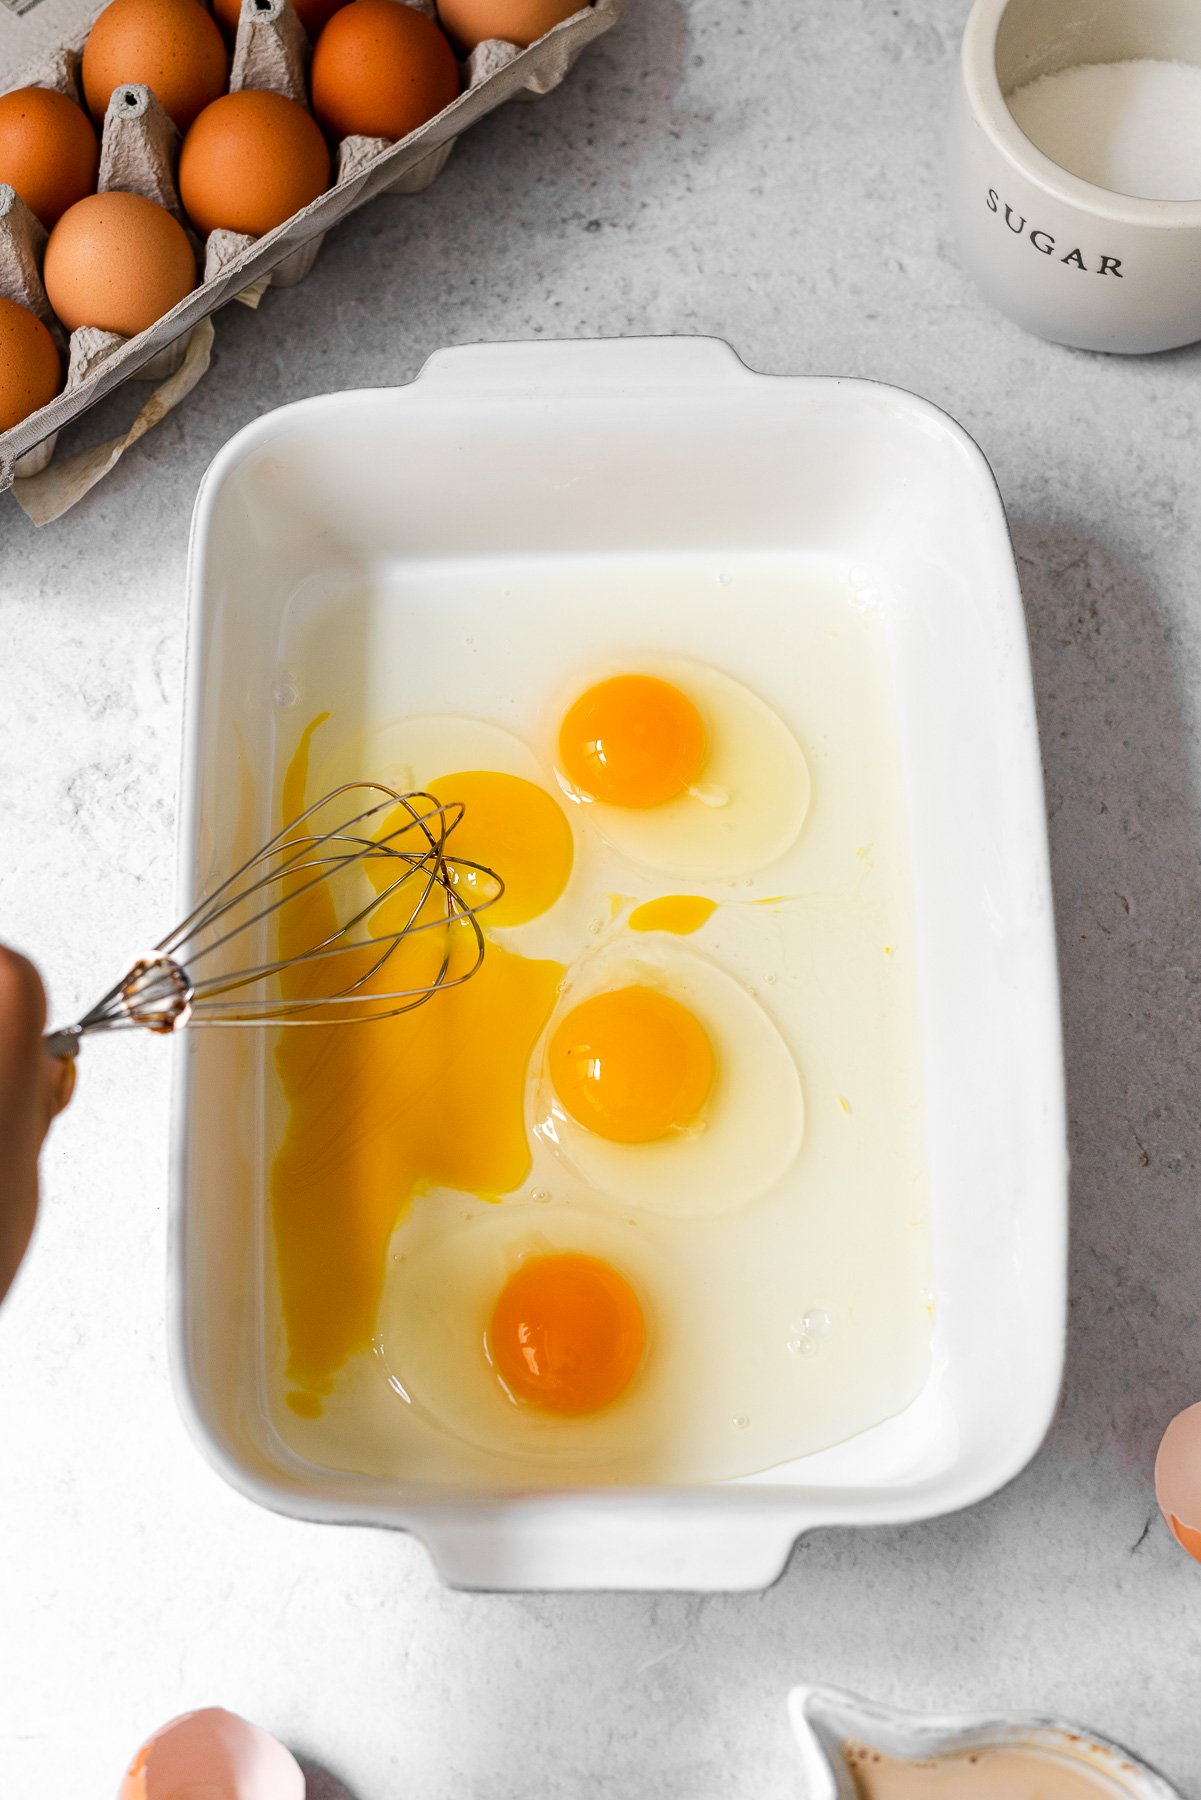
[1000,1773]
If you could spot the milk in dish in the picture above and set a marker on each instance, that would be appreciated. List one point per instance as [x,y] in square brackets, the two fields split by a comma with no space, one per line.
[645,1200]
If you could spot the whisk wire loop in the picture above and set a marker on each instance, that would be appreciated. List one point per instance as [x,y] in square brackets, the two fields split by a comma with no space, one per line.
[183,980]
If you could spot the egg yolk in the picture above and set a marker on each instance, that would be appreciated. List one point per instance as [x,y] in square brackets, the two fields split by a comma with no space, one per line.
[631,1064]
[509,826]
[566,1333]
[632,740]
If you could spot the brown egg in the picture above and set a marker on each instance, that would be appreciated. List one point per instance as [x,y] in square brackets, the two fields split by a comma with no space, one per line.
[31,371]
[519,22]
[171,45]
[250,161]
[48,150]
[118,262]
[313,14]
[381,69]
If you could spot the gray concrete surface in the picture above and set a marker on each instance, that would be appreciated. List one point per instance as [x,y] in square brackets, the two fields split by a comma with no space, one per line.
[769,173]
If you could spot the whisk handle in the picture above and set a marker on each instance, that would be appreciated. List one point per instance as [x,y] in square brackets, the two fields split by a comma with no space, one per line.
[63,1044]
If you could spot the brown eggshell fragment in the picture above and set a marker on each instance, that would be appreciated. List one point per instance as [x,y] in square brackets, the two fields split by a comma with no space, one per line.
[172,46]
[1178,1479]
[212,1755]
[31,371]
[520,22]
[380,70]
[118,262]
[49,151]
[250,161]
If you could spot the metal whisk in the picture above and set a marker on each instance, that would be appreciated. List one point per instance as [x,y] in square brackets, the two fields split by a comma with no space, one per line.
[191,977]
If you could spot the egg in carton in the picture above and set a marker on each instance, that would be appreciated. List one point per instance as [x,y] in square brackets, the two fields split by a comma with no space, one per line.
[139,154]
[137,148]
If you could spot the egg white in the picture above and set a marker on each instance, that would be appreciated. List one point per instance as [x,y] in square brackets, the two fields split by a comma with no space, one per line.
[408,754]
[749,1131]
[443,1282]
[750,799]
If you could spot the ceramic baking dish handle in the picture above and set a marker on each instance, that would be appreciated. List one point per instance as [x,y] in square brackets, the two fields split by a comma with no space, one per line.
[623,367]
[561,1542]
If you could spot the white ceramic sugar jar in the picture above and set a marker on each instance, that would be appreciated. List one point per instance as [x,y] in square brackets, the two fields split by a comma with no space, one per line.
[1063,258]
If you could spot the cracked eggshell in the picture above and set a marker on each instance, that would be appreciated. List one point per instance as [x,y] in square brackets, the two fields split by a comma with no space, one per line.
[1178,1479]
[214,1753]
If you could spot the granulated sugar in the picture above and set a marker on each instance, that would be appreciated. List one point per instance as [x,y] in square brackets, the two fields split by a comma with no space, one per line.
[1133,127]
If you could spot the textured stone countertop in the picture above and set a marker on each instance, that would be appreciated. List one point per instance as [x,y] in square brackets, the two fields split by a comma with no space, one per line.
[768,173]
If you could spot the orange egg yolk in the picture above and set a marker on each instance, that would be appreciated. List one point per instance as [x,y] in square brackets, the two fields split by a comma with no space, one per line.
[631,1064]
[509,826]
[378,1112]
[566,1334]
[632,740]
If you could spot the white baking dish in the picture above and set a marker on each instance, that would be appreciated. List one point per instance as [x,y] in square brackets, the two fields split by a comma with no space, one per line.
[529,450]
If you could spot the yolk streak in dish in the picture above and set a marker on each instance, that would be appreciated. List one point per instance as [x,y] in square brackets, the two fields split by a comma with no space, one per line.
[381,1111]
[680,914]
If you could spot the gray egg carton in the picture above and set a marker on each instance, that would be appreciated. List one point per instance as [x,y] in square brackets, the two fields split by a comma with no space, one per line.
[139,154]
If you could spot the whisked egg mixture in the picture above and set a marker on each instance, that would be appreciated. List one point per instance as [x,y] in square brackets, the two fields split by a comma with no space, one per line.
[645,1199]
